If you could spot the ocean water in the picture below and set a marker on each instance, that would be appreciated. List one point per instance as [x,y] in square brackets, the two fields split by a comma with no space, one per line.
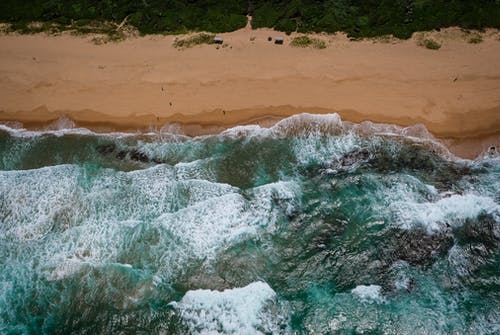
[313,226]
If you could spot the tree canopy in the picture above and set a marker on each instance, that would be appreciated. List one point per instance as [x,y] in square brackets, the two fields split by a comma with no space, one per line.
[359,18]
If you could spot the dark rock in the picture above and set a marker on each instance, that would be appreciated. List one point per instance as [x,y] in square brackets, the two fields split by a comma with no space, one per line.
[483,230]
[121,155]
[158,161]
[134,155]
[492,151]
[106,149]
[417,247]
[426,164]
[139,156]
[349,160]
[411,285]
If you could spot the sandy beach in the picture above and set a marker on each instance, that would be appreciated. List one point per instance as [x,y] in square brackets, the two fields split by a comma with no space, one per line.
[145,83]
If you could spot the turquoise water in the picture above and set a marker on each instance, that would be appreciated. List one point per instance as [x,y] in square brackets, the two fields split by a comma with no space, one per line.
[315,226]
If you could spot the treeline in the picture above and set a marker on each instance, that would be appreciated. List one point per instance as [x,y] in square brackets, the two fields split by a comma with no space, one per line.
[366,18]
[148,16]
[359,18]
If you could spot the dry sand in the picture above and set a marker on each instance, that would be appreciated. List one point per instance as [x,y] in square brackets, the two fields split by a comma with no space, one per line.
[145,83]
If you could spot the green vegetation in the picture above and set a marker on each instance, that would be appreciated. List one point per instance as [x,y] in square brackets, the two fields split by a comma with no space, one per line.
[305,41]
[191,41]
[431,44]
[148,16]
[475,39]
[359,18]
[370,18]
[105,31]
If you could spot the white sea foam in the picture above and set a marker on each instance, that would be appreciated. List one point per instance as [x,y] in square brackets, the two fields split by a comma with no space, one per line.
[203,227]
[67,127]
[458,259]
[299,124]
[22,132]
[310,149]
[69,209]
[33,199]
[369,293]
[61,123]
[242,310]
[416,133]
[272,200]
[311,125]
[62,269]
[195,170]
[308,124]
[244,131]
[401,279]
[408,203]
[451,211]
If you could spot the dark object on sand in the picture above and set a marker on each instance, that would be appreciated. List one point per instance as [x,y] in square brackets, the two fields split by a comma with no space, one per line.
[218,40]
[269,38]
[278,40]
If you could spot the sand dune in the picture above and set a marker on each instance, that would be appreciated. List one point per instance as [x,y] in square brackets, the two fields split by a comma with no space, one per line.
[145,82]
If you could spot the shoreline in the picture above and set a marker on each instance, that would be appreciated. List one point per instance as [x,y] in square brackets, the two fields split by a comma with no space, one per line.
[145,83]
[467,146]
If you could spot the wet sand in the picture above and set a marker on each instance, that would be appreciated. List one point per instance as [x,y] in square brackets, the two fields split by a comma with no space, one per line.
[146,84]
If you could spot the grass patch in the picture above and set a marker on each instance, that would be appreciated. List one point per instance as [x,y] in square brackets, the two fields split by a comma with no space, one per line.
[105,31]
[188,42]
[384,39]
[5,28]
[475,39]
[431,44]
[28,28]
[305,41]
[107,38]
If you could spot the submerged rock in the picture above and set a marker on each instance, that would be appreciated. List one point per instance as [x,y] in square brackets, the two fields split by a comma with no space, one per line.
[106,149]
[139,156]
[417,247]
[121,155]
[133,154]
[474,257]
[350,160]
[483,230]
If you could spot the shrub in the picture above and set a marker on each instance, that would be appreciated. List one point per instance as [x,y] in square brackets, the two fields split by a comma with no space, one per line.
[431,44]
[201,38]
[475,39]
[305,41]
